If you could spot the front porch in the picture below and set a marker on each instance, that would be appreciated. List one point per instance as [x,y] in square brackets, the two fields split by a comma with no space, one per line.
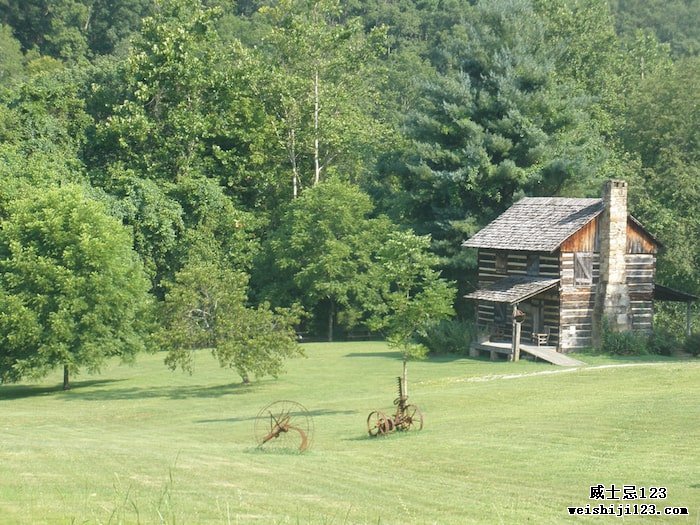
[546,353]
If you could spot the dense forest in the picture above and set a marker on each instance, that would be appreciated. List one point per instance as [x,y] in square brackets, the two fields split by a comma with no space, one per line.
[220,174]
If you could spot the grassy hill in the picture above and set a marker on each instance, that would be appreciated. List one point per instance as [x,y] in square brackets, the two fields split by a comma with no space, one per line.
[502,443]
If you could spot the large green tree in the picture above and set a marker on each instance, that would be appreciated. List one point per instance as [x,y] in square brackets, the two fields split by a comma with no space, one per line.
[676,22]
[496,120]
[73,292]
[321,252]
[73,29]
[183,141]
[661,128]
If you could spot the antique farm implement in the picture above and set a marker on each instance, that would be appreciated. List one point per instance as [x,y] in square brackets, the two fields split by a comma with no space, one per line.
[284,425]
[406,417]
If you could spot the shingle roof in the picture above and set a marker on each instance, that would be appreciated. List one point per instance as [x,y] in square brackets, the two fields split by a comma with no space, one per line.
[513,289]
[537,224]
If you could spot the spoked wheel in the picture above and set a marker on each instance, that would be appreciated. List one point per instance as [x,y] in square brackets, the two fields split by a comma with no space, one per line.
[412,418]
[379,424]
[284,425]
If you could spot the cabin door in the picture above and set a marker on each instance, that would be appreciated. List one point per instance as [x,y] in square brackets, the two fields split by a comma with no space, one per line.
[534,313]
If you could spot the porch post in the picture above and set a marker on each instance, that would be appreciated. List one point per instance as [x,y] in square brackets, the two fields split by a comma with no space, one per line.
[516,335]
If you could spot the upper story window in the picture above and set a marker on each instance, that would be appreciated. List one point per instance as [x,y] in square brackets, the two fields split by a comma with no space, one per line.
[533,264]
[583,268]
[501,262]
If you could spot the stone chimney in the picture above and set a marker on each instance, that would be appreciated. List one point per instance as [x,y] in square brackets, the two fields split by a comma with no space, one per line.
[612,300]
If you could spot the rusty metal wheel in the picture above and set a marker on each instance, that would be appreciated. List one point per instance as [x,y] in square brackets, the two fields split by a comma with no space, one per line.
[284,425]
[379,424]
[412,418]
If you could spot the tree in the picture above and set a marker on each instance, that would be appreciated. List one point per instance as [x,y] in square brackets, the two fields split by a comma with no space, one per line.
[676,22]
[11,57]
[661,129]
[494,122]
[205,308]
[182,145]
[321,252]
[317,90]
[53,27]
[409,295]
[73,29]
[72,289]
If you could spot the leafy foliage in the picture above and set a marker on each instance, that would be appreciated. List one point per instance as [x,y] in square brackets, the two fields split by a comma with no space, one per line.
[205,308]
[411,298]
[196,123]
[692,344]
[622,343]
[322,252]
[73,291]
[665,192]
[676,22]
[450,336]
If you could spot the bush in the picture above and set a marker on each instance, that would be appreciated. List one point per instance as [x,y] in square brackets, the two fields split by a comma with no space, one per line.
[663,342]
[623,343]
[451,336]
[692,344]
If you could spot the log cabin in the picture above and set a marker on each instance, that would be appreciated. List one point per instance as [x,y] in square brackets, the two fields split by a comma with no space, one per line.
[553,268]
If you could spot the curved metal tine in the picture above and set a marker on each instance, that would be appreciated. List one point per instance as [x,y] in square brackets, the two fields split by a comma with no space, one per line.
[284,417]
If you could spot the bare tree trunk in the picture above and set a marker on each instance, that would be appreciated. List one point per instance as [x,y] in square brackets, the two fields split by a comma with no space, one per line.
[317,104]
[66,382]
[404,378]
[331,313]
[89,17]
[293,159]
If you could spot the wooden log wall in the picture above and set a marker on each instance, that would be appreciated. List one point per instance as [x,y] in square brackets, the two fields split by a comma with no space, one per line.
[516,264]
[576,308]
[640,269]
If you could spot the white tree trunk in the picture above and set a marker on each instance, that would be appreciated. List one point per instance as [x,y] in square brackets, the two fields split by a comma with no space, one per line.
[293,160]
[317,106]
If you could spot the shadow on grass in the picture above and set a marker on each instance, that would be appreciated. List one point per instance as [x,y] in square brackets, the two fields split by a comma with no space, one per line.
[432,358]
[386,437]
[312,413]
[166,392]
[24,391]
[277,451]
[390,355]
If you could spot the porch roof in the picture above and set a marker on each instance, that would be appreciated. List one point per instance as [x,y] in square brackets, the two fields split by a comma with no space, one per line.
[664,293]
[513,289]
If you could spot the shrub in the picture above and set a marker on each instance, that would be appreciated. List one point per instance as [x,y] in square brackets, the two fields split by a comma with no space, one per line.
[692,344]
[451,336]
[663,342]
[623,343]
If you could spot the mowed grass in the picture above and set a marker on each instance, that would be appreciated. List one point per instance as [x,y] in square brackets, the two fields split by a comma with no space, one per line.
[502,443]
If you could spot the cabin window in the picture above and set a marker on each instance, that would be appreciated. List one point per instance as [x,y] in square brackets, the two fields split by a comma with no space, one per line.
[533,264]
[583,268]
[501,262]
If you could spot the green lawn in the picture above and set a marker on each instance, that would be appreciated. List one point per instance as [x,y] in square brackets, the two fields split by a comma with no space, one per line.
[502,443]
